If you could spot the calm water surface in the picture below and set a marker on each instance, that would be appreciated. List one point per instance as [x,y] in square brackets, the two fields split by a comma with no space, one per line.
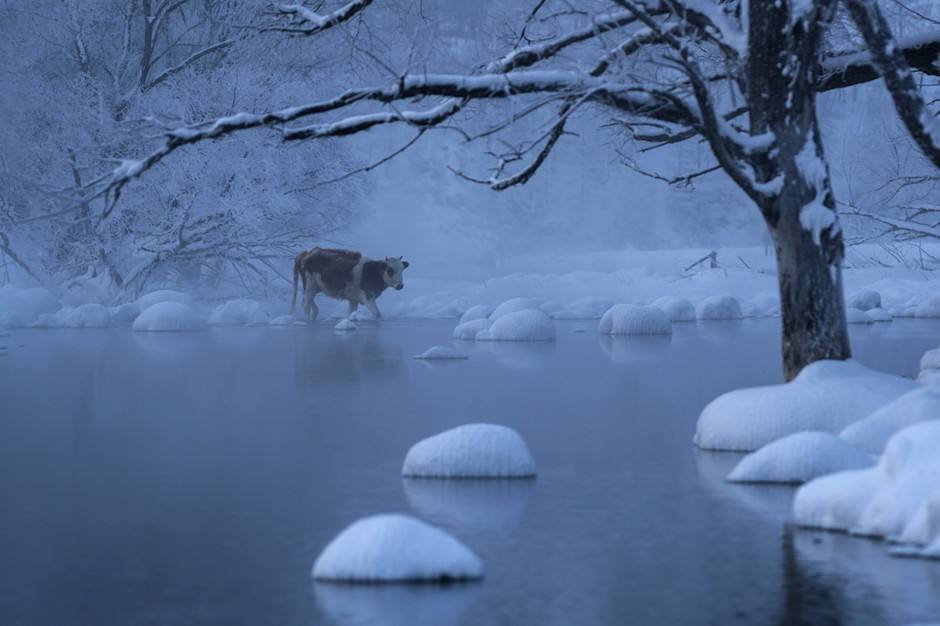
[193,479]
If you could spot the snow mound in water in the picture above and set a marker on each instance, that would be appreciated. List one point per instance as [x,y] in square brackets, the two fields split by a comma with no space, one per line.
[719,308]
[879,315]
[526,325]
[168,316]
[676,309]
[799,457]
[241,311]
[163,295]
[440,353]
[930,367]
[478,312]
[928,308]
[857,316]
[395,548]
[872,433]
[514,305]
[471,451]
[85,316]
[124,313]
[469,330]
[22,307]
[898,499]
[826,396]
[89,315]
[590,308]
[629,319]
[864,299]
[346,325]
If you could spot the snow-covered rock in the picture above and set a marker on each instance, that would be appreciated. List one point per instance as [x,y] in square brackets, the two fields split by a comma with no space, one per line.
[525,325]
[346,325]
[395,548]
[930,367]
[469,330]
[471,451]
[22,307]
[163,295]
[857,316]
[765,304]
[826,396]
[676,309]
[240,311]
[629,319]
[440,353]
[514,305]
[879,315]
[123,314]
[719,308]
[89,315]
[478,312]
[799,457]
[589,308]
[168,316]
[898,499]
[928,308]
[864,299]
[872,433]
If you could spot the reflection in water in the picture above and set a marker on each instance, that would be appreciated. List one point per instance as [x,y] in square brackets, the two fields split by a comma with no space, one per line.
[520,355]
[809,598]
[470,505]
[774,501]
[393,604]
[900,591]
[632,349]
[167,347]
[350,357]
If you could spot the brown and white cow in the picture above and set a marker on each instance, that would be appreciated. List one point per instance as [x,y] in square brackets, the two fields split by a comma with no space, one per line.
[344,275]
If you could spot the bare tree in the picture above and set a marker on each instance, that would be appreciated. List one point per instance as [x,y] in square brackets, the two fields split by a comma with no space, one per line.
[741,76]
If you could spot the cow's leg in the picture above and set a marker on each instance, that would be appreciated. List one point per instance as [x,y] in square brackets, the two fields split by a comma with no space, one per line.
[310,292]
[353,305]
[370,304]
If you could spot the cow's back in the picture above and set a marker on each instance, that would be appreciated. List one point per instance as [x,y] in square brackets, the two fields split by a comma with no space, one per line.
[333,266]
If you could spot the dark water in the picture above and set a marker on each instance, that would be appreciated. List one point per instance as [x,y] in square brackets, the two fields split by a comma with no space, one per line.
[193,479]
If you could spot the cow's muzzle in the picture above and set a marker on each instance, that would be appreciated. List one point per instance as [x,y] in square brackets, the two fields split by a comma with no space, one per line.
[399,287]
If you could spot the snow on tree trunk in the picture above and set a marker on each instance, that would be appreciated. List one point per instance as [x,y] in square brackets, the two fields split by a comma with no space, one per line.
[801,217]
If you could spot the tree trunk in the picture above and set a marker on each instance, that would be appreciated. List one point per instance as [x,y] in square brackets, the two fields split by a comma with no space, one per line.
[812,309]
[802,218]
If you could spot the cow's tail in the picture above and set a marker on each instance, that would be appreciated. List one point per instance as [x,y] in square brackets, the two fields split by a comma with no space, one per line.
[293,294]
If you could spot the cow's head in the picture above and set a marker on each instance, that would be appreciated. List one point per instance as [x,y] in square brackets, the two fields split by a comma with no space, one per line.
[393,272]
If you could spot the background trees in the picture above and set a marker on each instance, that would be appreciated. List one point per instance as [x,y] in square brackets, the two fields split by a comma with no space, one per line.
[91,83]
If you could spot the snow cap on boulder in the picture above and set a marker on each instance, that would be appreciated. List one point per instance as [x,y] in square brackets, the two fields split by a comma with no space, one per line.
[394,548]
[168,316]
[719,308]
[629,319]
[799,457]
[471,451]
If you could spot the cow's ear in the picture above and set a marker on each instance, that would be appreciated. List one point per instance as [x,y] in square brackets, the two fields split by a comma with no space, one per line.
[405,264]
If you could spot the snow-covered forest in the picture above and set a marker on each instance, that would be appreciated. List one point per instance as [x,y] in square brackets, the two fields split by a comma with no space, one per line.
[89,84]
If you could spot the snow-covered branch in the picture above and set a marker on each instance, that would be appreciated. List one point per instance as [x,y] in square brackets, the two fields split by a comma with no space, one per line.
[309,22]
[892,65]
